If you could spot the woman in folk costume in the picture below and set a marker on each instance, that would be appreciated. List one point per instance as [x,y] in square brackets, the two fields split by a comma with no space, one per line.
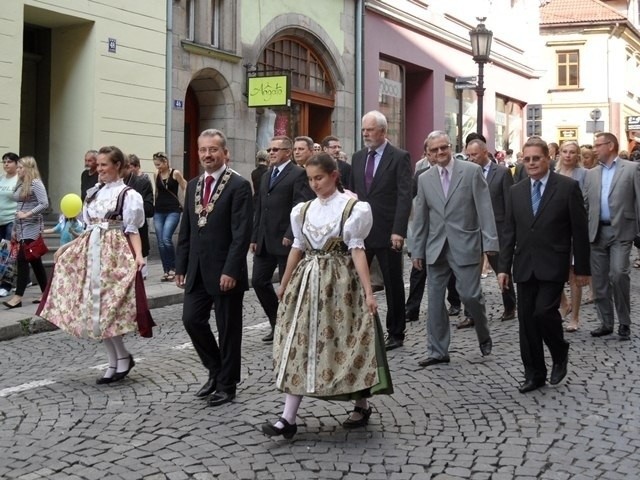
[93,292]
[328,339]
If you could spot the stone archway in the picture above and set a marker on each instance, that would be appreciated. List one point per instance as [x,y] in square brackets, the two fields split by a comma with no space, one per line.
[208,104]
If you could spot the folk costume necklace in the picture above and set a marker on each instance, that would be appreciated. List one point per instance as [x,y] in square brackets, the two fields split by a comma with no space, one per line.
[203,211]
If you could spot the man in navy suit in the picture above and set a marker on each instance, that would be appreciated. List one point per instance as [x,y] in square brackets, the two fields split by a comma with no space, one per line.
[283,186]
[211,264]
[545,225]
[381,175]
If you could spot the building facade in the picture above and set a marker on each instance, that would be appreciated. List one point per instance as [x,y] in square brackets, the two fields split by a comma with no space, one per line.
[592,78]
[79,74]
[217,45]
[415,49]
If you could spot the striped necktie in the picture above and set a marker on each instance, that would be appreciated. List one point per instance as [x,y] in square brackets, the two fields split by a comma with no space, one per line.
[536,196]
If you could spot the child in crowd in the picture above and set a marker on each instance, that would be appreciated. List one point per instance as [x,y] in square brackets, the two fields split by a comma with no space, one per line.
[68,228]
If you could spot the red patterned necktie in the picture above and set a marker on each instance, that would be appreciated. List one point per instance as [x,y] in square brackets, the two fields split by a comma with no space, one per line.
[208,182]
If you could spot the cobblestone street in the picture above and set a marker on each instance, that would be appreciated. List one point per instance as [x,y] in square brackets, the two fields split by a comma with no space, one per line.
[461,420]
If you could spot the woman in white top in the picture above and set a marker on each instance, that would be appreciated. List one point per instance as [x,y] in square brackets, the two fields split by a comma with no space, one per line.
[93,289]
[7,203]
[328,342]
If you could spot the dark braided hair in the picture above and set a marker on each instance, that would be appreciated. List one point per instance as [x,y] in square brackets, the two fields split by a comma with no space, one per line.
[327,164]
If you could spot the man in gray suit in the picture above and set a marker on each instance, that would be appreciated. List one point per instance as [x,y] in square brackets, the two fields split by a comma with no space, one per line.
[453,224]
[612,197]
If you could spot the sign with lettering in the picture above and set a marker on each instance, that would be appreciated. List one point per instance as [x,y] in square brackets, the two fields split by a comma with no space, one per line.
[272,91]
[633,122]
[568,134]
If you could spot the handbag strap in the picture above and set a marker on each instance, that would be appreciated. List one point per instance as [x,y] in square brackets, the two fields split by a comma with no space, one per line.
[22,228]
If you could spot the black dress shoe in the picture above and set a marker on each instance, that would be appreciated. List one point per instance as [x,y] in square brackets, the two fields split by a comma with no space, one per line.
[287,431]
[530,385]
[466,323]
[453,311]
[508,315]
[558,372]
[208,388]
[392,343]
[486,346]
[410,316]
[362,422]
[624,332]
[427,362]
[9,306]
[120,375]
[601,332]
[268,337]
[220,398]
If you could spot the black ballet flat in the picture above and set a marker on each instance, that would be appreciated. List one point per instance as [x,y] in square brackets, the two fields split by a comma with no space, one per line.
[288,431]
[105,380]
[364,420]
[120,375]
[9,306]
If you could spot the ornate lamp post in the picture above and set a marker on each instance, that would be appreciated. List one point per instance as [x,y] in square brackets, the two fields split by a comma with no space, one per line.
[481,50]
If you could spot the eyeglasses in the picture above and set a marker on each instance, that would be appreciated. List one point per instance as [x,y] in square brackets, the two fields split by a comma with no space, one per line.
[600,144]
[160,155]
[532,159]
[441,148]
[276,149]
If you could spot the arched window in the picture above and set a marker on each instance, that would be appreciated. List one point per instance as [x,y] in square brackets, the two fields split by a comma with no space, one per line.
[308,74]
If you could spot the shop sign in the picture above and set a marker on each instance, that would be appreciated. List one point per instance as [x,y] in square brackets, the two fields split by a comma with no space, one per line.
[269,91]
[568,134]
[633,122]
[390,88]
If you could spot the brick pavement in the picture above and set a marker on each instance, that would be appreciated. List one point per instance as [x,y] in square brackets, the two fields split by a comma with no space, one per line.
[462,420]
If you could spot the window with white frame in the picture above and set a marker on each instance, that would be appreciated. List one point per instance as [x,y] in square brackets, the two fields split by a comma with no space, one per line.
[216,23]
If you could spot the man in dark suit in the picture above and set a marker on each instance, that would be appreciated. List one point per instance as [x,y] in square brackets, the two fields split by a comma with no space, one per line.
[283,186]
[381,176]
[331,145]
[546,223]
[500,181]
[211,264]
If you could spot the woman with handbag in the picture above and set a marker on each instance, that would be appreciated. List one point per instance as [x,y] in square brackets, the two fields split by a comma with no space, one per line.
[31,197]
[167,212]
[96,291]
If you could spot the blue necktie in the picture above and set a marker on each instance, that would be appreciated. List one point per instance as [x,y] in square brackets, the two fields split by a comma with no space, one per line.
[536,196]
[274,175]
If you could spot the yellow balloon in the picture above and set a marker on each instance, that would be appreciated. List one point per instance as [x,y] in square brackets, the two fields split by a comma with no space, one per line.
[71,205]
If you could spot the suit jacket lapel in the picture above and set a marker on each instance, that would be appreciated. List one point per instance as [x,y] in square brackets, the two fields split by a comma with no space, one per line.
[384,163]
[616,176]
[492,172]
[456,178]
[285,171]
[433,174]
[549,192]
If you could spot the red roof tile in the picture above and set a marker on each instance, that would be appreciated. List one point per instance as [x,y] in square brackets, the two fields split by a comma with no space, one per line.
[578,11]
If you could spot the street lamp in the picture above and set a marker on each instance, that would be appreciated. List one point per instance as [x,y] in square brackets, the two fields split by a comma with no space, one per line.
[481,50]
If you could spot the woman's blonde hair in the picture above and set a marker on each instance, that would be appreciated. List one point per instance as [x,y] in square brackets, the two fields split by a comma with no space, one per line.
[30,173]
[568,143]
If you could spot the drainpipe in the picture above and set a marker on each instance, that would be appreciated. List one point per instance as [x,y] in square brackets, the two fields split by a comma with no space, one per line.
[168,78]
[359,67]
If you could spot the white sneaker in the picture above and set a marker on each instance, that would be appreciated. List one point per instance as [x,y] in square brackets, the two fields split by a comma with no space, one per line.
[4,292]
